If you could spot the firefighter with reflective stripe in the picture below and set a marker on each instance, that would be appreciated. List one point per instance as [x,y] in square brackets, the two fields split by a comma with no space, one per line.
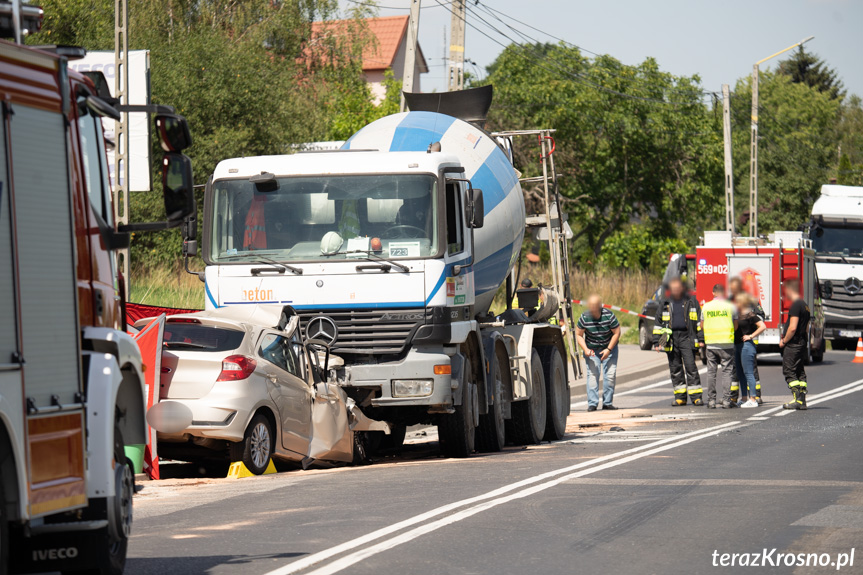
[255,233]
[794,343]
[735,286]
[719,320]
[677,332]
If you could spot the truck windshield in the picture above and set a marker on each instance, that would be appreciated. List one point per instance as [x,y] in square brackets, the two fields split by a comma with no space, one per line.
[314,218]
[838,240]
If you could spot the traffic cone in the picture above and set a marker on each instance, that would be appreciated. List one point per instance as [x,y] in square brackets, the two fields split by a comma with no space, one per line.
[858,356]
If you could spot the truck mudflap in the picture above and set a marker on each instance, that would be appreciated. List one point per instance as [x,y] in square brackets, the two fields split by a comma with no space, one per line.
[67,551]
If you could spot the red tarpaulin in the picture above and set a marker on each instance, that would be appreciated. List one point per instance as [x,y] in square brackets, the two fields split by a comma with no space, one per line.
[136,311]
[149,341]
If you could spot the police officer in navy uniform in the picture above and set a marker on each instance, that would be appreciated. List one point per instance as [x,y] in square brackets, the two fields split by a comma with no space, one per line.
[678,330]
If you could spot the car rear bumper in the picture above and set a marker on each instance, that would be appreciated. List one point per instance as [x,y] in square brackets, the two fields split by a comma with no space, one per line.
[213,420]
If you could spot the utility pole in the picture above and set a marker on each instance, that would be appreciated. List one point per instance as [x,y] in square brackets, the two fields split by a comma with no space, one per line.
[121,136]
[753,155]
[729,175]
[456,47]
[411,51]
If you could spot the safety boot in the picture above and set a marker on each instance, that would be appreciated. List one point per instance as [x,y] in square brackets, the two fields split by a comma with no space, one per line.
[679,402]
[796,402]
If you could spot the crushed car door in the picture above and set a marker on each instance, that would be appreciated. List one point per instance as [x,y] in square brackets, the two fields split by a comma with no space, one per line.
[288,390]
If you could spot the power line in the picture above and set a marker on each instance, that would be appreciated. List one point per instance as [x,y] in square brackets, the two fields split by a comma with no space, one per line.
[494,13]
[373,5]
[567,71]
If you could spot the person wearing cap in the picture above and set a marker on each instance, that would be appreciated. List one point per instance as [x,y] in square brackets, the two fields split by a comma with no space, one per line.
[719,321]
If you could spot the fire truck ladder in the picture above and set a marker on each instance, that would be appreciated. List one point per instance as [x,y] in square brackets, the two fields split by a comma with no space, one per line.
[787,263]
[552,227]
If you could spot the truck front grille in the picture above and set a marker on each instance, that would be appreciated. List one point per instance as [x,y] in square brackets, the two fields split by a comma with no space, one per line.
[844,303]
[370,332]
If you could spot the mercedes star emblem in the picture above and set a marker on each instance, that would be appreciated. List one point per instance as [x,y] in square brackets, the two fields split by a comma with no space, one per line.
[319,283]
[852,285]
[322,328]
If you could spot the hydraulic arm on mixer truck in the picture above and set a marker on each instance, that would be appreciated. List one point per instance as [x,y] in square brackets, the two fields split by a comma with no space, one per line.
[392,250]
[71,382]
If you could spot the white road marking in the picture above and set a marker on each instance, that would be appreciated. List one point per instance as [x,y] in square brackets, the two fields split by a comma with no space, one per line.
[530,486]
[407,536]
[814,397]
[825,397]
[315,558]
[578,404]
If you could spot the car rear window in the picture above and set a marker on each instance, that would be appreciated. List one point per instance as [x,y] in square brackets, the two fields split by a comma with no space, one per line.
[201,337]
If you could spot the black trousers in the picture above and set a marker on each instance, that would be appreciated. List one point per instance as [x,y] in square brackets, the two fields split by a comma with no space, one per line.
[684,371]
[793,355]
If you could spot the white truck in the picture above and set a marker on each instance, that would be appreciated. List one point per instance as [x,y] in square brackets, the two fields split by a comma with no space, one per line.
[836,230]
[392,250]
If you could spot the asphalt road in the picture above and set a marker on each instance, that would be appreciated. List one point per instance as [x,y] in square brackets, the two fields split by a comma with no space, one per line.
[647,489]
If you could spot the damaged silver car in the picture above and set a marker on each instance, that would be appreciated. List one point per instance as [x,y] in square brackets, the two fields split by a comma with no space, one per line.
[253,389]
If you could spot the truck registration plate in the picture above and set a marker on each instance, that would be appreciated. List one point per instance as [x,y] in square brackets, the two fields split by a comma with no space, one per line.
[850,333]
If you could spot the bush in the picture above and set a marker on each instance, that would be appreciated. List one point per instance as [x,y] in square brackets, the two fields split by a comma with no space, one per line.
[640,248]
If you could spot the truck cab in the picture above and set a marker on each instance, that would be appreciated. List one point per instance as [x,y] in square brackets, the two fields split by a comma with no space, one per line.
[374,250]
[836,230]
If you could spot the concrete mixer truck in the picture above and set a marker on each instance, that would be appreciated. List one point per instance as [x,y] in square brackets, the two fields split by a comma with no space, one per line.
[391,250]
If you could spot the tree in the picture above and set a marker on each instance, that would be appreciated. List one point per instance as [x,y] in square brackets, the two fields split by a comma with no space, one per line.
[633,142]
[249,77]
[807,68]
[797,149]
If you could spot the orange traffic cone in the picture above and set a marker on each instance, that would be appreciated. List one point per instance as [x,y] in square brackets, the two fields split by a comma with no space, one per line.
[858,357]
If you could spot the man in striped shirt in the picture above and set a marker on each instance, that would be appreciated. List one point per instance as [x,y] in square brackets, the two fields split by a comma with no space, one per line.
[598,332]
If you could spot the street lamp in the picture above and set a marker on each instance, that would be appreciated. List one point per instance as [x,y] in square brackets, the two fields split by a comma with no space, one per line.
[753,160]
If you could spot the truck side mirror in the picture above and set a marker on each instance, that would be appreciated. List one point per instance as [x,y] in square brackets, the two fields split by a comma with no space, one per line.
[178,186]
[173,130]
[476,210]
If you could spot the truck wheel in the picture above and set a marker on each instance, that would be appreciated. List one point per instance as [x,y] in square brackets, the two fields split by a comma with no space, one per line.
[527,425]
[557,394]
[645,340]
[110,544]
[256,449]
[818,353]
[491,433]
[457,431]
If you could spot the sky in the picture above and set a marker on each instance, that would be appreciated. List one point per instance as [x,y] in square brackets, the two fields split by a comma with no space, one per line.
[719,41]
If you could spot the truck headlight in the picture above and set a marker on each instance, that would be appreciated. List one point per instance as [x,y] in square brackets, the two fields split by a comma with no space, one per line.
[412,387]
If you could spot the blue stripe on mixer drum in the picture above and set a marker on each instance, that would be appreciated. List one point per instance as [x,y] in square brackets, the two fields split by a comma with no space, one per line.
[418,130]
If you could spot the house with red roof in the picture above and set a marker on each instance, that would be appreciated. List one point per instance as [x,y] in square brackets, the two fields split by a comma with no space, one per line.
[386,51]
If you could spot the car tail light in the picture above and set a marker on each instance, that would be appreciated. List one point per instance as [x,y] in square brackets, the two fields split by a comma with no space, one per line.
[237,367]
[183,320]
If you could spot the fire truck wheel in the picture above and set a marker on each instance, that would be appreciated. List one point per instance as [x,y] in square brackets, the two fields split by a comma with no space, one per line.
[110,545]
[818,353]
[527,425]
[645,340]
[4,534]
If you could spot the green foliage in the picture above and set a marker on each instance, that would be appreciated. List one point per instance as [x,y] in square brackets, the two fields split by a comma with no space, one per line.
[620,157]
[806,68]
[639,247]
[249,77]
[796,153]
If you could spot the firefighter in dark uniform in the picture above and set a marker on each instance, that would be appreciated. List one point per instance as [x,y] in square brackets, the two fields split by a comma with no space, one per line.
[794,343]
[735,286]
[677,331]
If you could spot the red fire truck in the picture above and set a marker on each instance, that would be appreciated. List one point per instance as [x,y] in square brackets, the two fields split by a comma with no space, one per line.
[71,379]
[764,265]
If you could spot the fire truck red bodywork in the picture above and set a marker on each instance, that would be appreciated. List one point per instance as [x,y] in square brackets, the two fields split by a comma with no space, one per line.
[763,266]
